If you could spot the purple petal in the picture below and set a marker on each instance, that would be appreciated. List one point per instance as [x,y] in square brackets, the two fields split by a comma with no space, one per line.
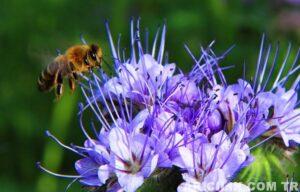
[86,167]
[130,182]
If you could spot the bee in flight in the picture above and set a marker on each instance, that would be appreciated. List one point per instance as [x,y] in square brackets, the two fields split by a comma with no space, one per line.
[77,59]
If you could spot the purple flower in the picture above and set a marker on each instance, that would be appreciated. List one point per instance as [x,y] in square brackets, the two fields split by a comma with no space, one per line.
[94,168]
[285,117]
[214,181]
[143,76]
[142,81]
[152,118]
[215,121]
[182,90]
[221,153]
[132,158]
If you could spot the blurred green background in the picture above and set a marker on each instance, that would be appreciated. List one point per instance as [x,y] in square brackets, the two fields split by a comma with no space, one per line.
[31,31]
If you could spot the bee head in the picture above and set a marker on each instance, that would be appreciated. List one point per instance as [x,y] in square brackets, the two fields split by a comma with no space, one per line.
[95,55]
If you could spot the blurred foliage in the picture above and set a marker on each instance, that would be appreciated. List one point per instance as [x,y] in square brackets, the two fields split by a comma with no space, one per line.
[30,31]
[271,164]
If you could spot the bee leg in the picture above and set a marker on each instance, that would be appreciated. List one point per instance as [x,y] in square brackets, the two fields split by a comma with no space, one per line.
[59,87]
[59,91]
[72,84]
[75,75]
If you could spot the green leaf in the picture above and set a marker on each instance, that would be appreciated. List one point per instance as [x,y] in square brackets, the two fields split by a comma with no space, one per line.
[275,161]
[267,168]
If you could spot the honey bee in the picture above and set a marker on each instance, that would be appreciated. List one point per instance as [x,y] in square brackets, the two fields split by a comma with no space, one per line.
[77,59]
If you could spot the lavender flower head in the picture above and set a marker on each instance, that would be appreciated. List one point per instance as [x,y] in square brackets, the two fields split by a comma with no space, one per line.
[152,117]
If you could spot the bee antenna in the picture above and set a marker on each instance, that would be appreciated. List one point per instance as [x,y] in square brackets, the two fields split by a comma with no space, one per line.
[82,39]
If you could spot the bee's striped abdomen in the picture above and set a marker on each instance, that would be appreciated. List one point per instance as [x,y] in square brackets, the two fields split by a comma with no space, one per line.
[46,80]
[48,77]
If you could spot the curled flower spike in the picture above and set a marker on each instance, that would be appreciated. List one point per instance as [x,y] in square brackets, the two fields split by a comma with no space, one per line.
[152,117]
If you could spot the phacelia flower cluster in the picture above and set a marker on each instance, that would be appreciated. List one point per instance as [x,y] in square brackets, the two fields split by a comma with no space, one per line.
[152,117]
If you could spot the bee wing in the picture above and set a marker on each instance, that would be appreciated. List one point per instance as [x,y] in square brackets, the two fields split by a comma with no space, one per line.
[42,58]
